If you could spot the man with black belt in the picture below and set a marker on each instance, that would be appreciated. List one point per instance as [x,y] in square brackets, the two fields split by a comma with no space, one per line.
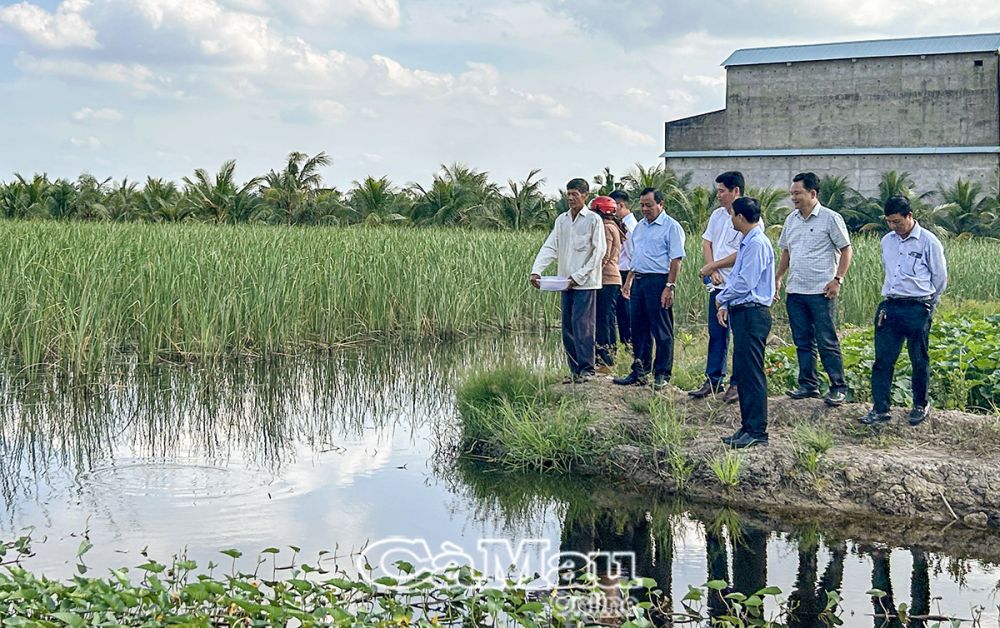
[915,277]
[657,251]
[816,248]
[745,304]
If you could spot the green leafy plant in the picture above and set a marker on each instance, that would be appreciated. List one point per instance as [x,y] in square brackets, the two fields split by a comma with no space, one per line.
[727,465]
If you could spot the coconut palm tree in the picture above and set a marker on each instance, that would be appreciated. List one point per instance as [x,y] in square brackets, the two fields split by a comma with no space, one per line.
[375,201]
[772,208]
[457,194]
[160,201]
[61,200]
[865,214]
[288,194]
[220,199]
[123,201]
[965,211]
[606,183]
[835,193]
[524,207]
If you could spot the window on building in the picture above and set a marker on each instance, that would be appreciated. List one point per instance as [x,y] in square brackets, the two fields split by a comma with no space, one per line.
[978,63]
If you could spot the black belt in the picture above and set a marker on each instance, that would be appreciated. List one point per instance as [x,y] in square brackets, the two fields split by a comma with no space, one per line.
[649,275]
[902,300]
[747,306]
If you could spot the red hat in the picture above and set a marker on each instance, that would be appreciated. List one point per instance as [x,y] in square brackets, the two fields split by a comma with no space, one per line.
[604,205]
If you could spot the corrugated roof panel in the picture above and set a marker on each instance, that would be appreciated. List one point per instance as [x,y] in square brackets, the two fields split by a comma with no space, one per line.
[948,44]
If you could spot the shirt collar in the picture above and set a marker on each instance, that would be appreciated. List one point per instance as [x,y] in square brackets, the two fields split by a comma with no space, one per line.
[659,219]
[751,235]
[915,233]
[815,212]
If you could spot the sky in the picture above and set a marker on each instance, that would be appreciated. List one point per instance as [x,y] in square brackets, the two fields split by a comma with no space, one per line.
[130,88]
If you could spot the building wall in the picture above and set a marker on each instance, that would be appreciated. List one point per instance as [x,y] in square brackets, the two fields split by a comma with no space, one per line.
[862,171]
[941,100]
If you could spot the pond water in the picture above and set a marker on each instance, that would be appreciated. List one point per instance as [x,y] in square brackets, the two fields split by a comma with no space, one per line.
[346,452]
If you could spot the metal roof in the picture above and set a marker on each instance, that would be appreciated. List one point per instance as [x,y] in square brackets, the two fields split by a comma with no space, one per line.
[948,44]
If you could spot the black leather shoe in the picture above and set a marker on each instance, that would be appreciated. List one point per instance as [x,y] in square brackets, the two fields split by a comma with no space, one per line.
[919,414]
[660,382]
[732,394]
[583,378]
[875,418]
[728,440]
[706,389]
[746,440]
[802,393]
[835,398]
[632,379]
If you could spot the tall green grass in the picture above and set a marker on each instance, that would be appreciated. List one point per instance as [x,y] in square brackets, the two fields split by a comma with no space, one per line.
[74,294]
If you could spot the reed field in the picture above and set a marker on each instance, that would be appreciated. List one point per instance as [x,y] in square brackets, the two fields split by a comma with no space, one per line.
[74,294]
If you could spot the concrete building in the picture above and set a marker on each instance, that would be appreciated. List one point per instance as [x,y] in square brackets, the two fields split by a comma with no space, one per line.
[929,106]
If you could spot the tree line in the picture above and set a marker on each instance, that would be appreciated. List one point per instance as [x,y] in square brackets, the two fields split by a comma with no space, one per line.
[457,195]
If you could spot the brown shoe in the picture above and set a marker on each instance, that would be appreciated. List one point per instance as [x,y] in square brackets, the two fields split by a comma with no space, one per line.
[705,390]
[732,394]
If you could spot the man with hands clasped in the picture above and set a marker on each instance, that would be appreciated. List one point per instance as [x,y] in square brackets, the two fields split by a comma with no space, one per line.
[745,305]
[657,251]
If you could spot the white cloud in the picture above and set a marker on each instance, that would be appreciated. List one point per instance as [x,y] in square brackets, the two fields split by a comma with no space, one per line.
[134,75]
[97,115]
[374,158]
[479,81]
[627,134]
[90,142]
[548,104]
[637,94]
[706,80]
[66,28]
[316,112]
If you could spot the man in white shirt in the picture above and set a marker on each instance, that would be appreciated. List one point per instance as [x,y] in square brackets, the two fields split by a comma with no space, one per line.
[577,244]
[622,316]
[719,245]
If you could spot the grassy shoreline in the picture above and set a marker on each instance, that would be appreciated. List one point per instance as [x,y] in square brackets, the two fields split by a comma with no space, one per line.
[75,294]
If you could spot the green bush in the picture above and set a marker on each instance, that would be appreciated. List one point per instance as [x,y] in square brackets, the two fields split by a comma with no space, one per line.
[965,364]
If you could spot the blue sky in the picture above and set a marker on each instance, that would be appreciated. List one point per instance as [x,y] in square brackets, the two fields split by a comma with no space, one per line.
[398,87]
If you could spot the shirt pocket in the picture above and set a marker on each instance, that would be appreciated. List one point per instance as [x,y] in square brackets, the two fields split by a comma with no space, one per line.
[581,241]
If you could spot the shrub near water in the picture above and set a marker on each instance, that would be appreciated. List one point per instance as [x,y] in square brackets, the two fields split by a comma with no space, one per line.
[509,412]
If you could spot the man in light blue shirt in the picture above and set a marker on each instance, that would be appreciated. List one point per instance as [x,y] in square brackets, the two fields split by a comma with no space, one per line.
[657,251]
[915,277]
[745,304]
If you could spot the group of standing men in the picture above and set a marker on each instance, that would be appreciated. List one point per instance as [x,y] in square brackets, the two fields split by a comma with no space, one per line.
[623,270]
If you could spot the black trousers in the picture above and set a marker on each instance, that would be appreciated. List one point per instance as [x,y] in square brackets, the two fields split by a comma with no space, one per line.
[896,321]
[812,318]
[607,296]
[651,323]
[579,308]
[623,317]
[718,346]
[751,327]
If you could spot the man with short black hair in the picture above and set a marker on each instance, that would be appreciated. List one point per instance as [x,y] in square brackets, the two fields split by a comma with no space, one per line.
[916,275]
[577,244]
[744,304]
[719,244]
[816,253]
[657,251]
[622,316]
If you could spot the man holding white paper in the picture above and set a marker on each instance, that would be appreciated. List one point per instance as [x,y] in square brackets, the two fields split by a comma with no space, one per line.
[577,245]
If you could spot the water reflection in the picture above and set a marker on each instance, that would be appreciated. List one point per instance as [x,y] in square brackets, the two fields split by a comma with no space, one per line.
[682,544]
[341,451]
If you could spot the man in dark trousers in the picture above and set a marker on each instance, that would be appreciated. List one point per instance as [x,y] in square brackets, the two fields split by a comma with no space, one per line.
[915,277]
[577,244]
[622,316]
[745,304]
[816,253]
[657,251]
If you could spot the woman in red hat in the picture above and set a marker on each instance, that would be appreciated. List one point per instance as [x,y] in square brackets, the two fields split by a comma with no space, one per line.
[611,281]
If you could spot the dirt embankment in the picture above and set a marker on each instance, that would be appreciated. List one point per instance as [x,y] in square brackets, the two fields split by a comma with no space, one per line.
[946,469]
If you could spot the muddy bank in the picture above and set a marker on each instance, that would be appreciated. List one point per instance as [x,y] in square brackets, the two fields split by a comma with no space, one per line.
[945,470]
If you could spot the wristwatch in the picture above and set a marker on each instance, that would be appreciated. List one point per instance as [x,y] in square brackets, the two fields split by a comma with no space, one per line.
[839,279]
[671,285]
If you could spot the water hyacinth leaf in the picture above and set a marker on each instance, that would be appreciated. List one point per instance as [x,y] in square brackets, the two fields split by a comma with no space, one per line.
[70,619]
[232,553]
[717,585]
[769,591]
[876,593]
[85,546]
